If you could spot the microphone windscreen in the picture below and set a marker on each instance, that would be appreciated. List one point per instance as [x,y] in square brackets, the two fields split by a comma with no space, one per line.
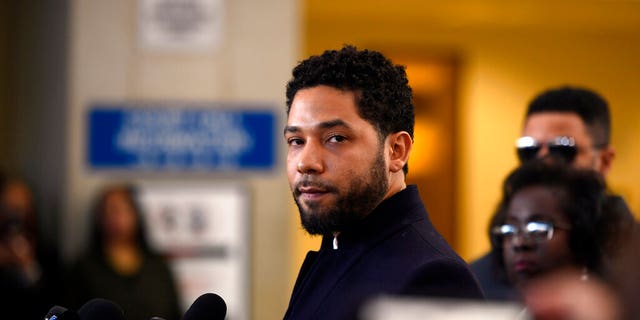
[100,309]
[209,306]
[61,313]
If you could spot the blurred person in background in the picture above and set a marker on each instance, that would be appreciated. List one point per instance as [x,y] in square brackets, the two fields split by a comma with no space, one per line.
[120,266]
[547,241]
[564,296]
[569,125]
[549,219]
[29,270]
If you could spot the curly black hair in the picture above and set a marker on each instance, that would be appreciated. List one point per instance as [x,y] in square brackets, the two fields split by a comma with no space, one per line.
[583,200]
[592,109]
[383,95]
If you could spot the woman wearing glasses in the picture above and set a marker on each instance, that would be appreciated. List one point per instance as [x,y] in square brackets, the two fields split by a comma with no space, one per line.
[552,237]
[549,219]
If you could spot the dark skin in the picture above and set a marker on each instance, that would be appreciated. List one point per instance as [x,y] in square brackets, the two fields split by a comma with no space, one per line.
[331,153]
[526,258]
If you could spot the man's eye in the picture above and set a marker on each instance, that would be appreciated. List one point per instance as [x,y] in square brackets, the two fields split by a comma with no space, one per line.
[337,138]
[294,141]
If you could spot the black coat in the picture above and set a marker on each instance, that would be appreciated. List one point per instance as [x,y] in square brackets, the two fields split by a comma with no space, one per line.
[395,250]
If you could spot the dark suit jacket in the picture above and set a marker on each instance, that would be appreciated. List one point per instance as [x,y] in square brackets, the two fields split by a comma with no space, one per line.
[395,250]
[494,285]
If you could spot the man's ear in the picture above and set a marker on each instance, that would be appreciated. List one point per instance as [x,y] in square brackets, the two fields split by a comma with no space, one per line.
[400,144]
[606,159]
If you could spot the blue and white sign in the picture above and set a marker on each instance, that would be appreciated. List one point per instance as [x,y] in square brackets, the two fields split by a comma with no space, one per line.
[126,137]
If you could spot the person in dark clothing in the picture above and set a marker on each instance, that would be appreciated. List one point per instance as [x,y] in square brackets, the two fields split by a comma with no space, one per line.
[30,271]
[549,219]
[570,125]
[120,266]
[349,134]
[547,234]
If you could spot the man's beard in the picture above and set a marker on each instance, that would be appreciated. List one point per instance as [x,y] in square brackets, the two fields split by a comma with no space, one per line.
[362,196]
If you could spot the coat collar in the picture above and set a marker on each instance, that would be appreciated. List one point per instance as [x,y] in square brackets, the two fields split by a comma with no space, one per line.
[390,215]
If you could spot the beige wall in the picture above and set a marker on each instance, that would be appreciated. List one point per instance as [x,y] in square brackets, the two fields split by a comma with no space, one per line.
[253,63]
[508,52]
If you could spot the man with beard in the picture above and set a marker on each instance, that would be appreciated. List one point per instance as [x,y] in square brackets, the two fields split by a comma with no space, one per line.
[349,134]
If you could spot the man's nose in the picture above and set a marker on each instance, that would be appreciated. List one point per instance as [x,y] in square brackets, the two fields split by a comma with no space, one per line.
[543,152]
[310,159]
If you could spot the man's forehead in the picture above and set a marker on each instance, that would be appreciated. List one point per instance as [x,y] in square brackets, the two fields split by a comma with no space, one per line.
[545,125]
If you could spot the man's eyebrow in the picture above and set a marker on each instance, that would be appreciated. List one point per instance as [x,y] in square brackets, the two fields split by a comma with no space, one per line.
[322,125]
[291,129]
[333,124]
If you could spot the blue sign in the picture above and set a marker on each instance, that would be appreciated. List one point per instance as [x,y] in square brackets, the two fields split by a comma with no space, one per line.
[181,139]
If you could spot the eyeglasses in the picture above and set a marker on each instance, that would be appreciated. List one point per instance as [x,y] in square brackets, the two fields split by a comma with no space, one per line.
[535,230]
[562,147]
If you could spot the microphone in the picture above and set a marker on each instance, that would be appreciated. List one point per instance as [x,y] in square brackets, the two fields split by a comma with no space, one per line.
[208,306]
[100,309]
[61,313]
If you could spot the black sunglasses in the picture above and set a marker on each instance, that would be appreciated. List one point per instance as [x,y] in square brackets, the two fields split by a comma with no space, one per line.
[563,148]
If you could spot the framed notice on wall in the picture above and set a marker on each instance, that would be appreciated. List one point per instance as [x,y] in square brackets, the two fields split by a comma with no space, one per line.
[181,25]
[204,228]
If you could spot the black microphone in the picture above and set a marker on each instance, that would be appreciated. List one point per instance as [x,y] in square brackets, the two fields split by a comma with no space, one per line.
[61,313]
[208,306]
[100,309]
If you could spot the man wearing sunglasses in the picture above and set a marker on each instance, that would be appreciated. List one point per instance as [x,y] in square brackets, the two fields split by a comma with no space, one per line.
[570,125]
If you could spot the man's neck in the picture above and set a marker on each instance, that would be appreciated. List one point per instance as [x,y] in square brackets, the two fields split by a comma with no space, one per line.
[396,184]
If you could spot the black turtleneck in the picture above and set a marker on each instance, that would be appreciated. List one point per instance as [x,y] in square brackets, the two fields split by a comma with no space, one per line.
[394,250]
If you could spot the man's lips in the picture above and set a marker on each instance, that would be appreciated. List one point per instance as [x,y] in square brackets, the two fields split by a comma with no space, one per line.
[311,193]
[311,189]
